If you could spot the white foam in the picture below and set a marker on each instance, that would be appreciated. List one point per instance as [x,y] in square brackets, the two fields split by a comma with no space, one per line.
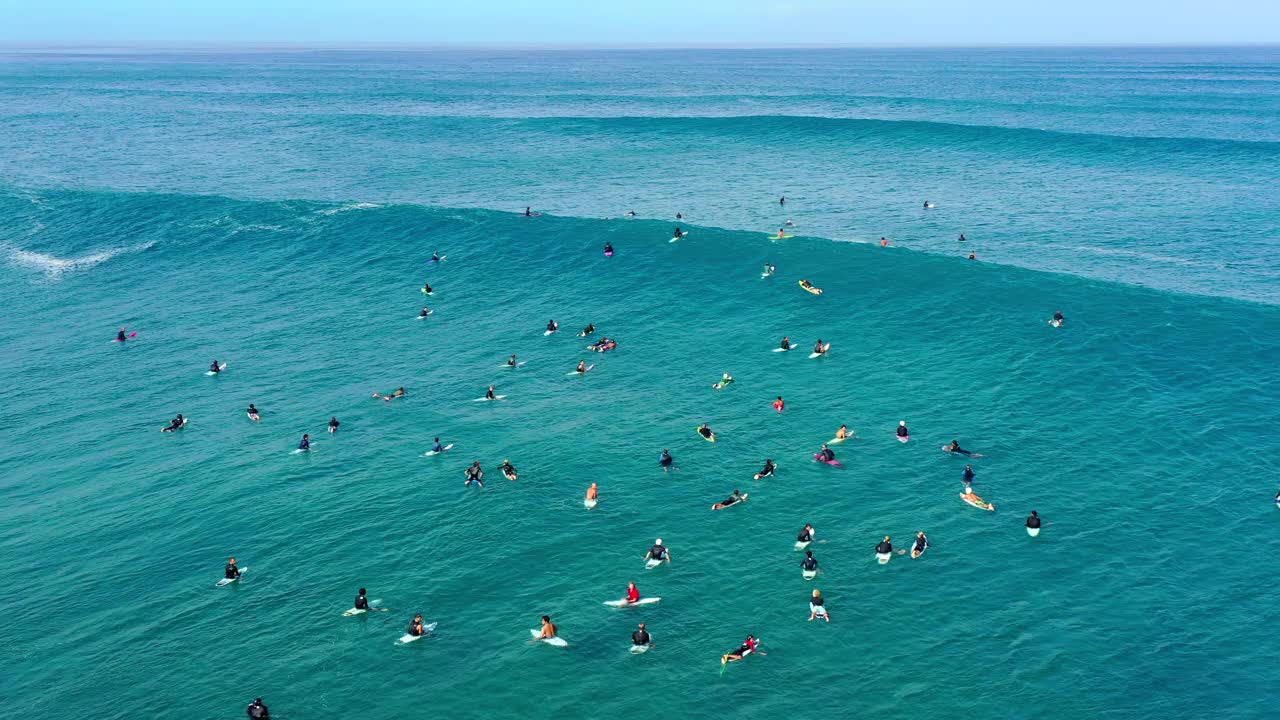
[347,208]
[53,266]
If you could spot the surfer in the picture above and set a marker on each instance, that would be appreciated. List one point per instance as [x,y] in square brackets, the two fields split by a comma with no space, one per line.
[806,534]
[788,223]
[781,233]
[548,631]
[826,454]
[475,474]
[231,572]
[884,241]
[511,361]
[885,547]
[640,638]
[552,326]
[528,211]
[333,424]
[258,710]
[779,405]
[175,424]
[705,432]
[120,336]
[678,234]
[630,213]
[362,601]
[1033,520]
[725,379]
[786,343]
[633,593]
[593,492]
[954,447]
[658,552]
[920,545]
[733,499]
[968,478]
[1057,318]
[215,368]
[843,433]
[305,443]
[769,269]
[435,256]
[903,432]
[767,470]
[809,563]
[425,311]
[416,627]
[819,348]
[608,250]
[961,238]
[590,328]
[488,394]
[666,461]
[253,414]
[816,609]
[582,367]
[782,200]
[426,289]
[437,447]
[806,284]
[973,256]
[509,470]
[750,645]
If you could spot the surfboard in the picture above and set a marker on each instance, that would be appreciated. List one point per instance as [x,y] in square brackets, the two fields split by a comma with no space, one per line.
[485,399]
[837,440]
[424,292]
[354,611]
[437,260]
[883,558]
[915,554]
[228,581]
[549,332]
[642,649]
[1033,532]
[298,451]
[681,236]
[802,544]
[624,603]
[652,563]
[783,236]
[221,367]
[406,638]
[590,503]
[784,349]
[977,502]
[513,367]
[446,448]
[825,349]
[1055,323]
[557,641]
[903,438]
[808,574]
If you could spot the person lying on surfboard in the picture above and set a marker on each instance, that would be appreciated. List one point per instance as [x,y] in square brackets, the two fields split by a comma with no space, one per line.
[806,284]
[705,432]
[817,607]
[590,328]
[954,447]
[920,545]
[767,470]
[475,474]
[968,478]
[508,470]
[748,646]
[733,499]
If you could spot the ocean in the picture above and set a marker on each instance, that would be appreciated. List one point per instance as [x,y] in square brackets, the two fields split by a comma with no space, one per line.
[276,210]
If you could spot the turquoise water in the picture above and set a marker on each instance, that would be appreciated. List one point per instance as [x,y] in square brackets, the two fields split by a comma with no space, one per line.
[257,209]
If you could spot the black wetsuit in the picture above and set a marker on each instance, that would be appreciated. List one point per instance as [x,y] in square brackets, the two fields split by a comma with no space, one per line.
[666,460]
[884,547]
[362,602]
[1033,522]
[958,449]
[731,500]
[827,454]
[804,536]
[640,637]
[333,425]
[768,469]
[258,711]
[232,572]
[508,469]
[415,628]
[920,545]
[658,552]
[705,432]
[120,336]
[903,431]
[968,476]
[785,345]
[816,601]
[810,563]
[1057,317]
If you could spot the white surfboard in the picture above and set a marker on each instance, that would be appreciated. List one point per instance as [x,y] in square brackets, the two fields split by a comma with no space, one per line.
[825,349]
[406,638]
[652,563]
[557,641]
[429,453]
[802,544]
[786,349]
[836,441]
[642,649]
[590,503]
[221,367]
[354,611]
[299,451]
[549,332]
[681,236]
[808,574]
[884,557]
[517,365]
[1033,532]
[624,603]
[485,399]
[228,581]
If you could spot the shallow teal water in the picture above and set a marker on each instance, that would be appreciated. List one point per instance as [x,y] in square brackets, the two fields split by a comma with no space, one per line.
[1141,431]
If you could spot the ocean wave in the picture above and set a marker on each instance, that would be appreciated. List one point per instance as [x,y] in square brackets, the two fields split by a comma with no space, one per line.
[53,267]
[348,208]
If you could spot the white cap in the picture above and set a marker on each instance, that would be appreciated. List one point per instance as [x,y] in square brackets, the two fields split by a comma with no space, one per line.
[902,423]
[658,541]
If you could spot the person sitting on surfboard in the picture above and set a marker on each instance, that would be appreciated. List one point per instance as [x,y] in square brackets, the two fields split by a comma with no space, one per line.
[511,361]
[748,646]
[733,499]
[920,545]
[658,552]
[767,470]
[786,343]
[973,256]
[640,637]
[809,563]
[1057,318]
[528,212]
[426,288]
[582,366]
[633,593]
[415,626]
[252,412]
[968,478]
[590,328]
[425,311]
[549,629]
[231,572]
[902,429]
[1033,520]
[819,348]
[437,447]
[779,405]
[608,250]
[678,233]
[769,269]
[826,453]
[806,534]
[508,469]
[885,547]
[362,600]
[705,432]
[593,492]
[214,368]
[666,461]
[843,433]
[488,394]
[305,443]
[120,336]
[474,474]
[781,233]
[333,424]
[816,608]
[435,256]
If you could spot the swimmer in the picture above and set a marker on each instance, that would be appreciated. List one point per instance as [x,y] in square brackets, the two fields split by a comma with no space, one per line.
[968,478]
[640,638]
[679,216]
[749,646]
[806,534]
[779,405]
[733,499]
[666,461]
[416,628]
[658,552]
[253,413]
[786,343]
[782,200]
[590,328]
[903,432]
[548,631]
[552,326]
[258,710]
[920,545]
[809,563]
[961,238]
[175,424]
[633,593]
[884,547]
[788,223]
[509,470]
[215,368]
[231,572]
[725,379]
[475,474]
[826,453]
[305,443]
[399,393]
[629,214]
[954,447]
[333,424]
[816,608]
[593,492]
[705,432]
[768,469]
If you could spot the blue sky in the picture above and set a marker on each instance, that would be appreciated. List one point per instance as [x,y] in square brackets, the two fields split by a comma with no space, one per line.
[627,22]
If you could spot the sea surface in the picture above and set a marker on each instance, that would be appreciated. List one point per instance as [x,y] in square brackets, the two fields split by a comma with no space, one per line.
[276,210]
